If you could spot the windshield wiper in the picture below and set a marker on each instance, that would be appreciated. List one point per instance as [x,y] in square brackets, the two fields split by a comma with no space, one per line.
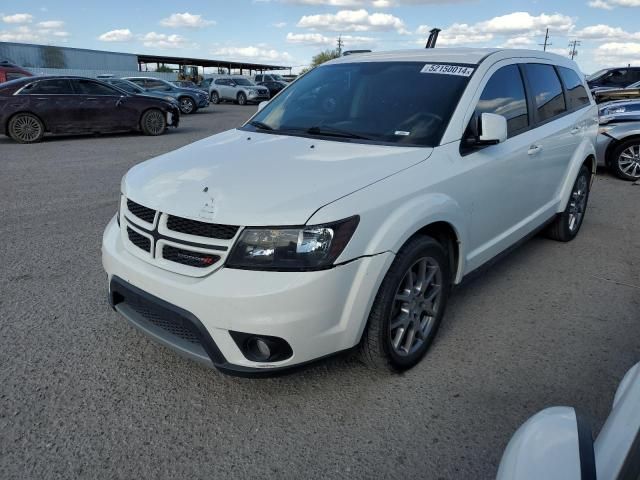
[260,125]
[335,132]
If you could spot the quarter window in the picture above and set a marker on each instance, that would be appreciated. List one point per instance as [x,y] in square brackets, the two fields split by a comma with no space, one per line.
[546,90]
[576,93]
[504,95]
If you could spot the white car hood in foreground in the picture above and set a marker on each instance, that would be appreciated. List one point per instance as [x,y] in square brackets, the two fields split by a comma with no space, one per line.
[255,179]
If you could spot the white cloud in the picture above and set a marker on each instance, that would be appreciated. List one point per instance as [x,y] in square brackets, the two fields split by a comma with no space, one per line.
[518,42]
[118,35]
[618,53]
[187,20]
[51,24]
[260,53]
[365,3]
[606,32]
[26,33]
[610,4]
[163,41]
[18,18]
[279,24]
[317,39]
[600,4]
[353,21]
[518,25]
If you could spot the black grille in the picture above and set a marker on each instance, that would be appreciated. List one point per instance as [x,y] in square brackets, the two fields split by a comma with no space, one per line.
[162,318]
[144,213]
[187,257]
[138,240]
[201,229]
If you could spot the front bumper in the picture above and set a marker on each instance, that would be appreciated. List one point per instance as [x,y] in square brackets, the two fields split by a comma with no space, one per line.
[602,143]
[316,313]
[203,102]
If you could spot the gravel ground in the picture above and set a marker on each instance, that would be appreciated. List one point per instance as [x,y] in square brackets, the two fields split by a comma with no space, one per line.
[83,395]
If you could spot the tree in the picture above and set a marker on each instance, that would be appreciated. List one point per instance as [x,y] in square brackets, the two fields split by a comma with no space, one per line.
[164,68]
[325,56]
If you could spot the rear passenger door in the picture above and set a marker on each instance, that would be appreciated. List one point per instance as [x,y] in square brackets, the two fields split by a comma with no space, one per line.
[54,102]
[558,133]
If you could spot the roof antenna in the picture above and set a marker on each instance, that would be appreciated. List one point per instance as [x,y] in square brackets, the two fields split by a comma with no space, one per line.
[433,38]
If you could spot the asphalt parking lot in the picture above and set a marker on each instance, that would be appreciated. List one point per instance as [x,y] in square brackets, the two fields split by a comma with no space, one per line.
[83,395]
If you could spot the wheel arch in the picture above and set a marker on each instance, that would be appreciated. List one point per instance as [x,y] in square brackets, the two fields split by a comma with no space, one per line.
[6,125]
[585,154]
[447,235]
[615,142]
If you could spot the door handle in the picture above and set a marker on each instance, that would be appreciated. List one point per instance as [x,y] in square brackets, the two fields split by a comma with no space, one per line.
[42,98]
[575,130]
[533,149]
[92,98]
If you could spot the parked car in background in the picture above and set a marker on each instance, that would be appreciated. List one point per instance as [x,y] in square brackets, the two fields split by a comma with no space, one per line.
[618,145]
[557,443]
[190,99]
[343,212]
[30,107]
[134,89]
[614,77]
[205,83]
[273,86]
[9,71]
[237,89]
[269,77]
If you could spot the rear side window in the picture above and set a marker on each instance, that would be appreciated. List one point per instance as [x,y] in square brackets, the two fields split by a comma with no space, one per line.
[504,95]
[87,87]
[155,84]
[576,93]
[49,87]
[546,90]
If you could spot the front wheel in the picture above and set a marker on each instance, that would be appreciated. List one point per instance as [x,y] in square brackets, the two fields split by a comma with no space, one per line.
[242,99]
[409,306]
[625,161]
[567,224]
[153,122]
[215,98]
[187,105]
[25,128]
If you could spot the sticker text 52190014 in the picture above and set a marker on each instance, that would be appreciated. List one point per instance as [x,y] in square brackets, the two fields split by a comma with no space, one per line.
[440,69]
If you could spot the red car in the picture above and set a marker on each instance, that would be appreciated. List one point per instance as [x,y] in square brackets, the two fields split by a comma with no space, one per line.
[29,107]
[8,71]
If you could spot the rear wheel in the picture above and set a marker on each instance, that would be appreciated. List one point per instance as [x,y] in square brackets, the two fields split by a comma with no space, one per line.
[409,306]
[26,128]
[215,98]
[187,105]
[567,224]
[625,160]
[153,122]
[242,99]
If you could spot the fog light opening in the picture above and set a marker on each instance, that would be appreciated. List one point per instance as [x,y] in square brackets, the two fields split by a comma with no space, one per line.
[259,348]
[262,348]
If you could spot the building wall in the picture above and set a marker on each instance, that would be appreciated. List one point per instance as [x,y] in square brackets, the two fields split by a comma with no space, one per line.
[47,56]
[84,72]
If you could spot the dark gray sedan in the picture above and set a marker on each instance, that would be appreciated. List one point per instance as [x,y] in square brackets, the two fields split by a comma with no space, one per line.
[190,99]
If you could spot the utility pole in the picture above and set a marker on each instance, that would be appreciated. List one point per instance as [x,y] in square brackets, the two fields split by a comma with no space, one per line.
[340,44]
[573,48]
[546,41]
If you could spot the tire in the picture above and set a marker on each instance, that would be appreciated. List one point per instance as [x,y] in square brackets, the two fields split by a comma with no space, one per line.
[390,308]
[25,128]
[567,224]
[625,160]
[242,99]
[153,122]
[187,105]
[215,98]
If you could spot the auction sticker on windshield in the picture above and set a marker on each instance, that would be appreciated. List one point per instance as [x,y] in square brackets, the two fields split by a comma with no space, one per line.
[460,70]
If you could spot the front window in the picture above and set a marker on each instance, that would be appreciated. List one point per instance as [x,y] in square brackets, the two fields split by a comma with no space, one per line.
[243,82]
[385,102]
[596,75]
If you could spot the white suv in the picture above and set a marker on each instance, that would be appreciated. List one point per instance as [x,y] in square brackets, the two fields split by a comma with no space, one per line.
[237,89]
[342,213]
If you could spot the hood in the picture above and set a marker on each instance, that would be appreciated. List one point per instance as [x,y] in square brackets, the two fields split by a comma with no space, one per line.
[256,179]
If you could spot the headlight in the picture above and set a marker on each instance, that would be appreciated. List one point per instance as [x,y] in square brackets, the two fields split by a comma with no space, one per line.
[292,249]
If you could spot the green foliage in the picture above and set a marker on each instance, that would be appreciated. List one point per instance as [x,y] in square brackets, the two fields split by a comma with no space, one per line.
[164,68]
[325,56]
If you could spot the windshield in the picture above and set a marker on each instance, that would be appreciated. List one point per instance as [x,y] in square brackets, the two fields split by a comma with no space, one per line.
[128,86]
[387,102]
[597,74]
[242,81]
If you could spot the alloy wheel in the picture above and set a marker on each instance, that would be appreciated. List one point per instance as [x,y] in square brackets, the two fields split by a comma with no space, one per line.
[415,306]
[26,128]
[186,105]
[629,161]
[578,203]
[154,121]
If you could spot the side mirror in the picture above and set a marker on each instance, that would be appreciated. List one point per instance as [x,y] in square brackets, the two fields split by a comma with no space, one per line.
[261,105]
[492,129]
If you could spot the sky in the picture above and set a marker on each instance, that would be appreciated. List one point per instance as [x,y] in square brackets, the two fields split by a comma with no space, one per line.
[290,32]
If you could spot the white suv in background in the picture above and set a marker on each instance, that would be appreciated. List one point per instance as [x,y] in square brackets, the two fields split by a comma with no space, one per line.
[237,89]
[342,213]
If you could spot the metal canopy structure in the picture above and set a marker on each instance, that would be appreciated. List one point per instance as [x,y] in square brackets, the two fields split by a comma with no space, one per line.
[201,62]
